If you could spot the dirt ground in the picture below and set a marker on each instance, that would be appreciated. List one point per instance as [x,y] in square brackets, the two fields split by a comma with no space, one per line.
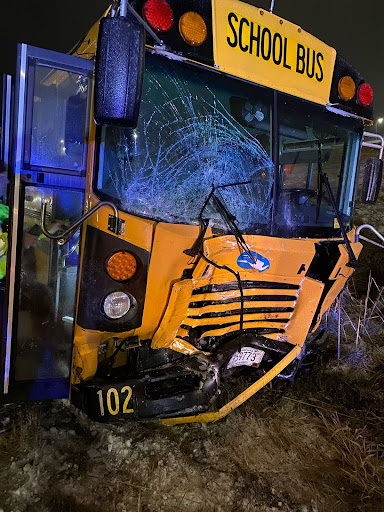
[317,446]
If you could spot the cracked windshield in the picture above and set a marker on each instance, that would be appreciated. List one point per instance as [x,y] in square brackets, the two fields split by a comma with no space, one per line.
[314,143]
[197,130]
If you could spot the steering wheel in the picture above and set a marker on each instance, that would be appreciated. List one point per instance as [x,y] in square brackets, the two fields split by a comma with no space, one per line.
[302,195]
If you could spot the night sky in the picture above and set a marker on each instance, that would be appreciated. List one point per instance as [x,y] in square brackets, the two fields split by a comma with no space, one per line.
[354,28]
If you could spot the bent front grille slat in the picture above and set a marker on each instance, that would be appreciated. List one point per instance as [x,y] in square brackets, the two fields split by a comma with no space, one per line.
[223,287]
[215,311]
[255,330]
[203,331]
[247,311]
[232,308]
[248,298]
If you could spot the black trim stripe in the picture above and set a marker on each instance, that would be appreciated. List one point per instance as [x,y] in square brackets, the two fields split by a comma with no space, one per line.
[254,330]
[233,312]
[246,285]
[213,327]
[247,298]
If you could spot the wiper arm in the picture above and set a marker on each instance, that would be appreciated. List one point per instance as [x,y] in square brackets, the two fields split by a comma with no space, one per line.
[324,179]
[228,218]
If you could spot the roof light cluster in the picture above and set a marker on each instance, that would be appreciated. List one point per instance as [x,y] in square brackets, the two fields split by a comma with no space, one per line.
[347,91]
[159,15]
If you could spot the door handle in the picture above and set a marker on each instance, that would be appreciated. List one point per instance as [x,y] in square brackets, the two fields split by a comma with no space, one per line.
[65,236]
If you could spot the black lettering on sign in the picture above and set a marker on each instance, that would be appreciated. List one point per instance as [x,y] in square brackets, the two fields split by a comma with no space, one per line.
[300,60]
[266,44]
[320,73]
[254,39]
[277,49]
[310,63]
[259,41]
[232,16]
[285,63]
[243,21]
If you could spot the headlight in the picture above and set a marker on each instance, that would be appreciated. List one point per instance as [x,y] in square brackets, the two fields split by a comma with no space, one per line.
[116,305]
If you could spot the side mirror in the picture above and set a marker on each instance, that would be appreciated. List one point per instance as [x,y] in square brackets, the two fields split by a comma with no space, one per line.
[119,71]
[373,175]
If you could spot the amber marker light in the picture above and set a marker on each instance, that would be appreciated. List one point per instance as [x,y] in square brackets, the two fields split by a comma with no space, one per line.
[193,28]
[121,266]
[347,88]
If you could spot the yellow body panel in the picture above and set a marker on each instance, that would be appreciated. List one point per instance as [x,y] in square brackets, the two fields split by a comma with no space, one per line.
[341,274]
[254,44]
[286,258]
[167,265]
[85,353]
[297,330]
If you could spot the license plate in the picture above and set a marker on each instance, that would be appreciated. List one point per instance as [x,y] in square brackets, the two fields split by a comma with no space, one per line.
[247,356]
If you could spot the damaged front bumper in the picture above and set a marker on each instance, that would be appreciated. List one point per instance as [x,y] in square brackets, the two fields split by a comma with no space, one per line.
[183,391]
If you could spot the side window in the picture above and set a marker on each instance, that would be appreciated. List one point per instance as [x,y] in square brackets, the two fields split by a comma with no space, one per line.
[57,119]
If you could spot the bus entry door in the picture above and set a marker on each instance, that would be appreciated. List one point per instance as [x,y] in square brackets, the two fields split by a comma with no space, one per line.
[48,155]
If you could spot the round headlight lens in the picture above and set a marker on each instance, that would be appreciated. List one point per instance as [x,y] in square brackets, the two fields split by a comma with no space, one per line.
[116,305]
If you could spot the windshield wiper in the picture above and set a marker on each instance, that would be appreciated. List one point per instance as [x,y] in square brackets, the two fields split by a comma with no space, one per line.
[228,218]
[323,178]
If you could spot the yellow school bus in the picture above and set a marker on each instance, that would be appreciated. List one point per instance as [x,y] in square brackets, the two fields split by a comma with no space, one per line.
[182,194]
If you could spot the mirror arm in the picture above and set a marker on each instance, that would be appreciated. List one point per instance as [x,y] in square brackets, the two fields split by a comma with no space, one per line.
[63,238]
[377,144]
[368,226]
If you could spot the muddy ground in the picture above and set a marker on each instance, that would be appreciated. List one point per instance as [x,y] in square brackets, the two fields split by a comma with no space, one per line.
[314,447]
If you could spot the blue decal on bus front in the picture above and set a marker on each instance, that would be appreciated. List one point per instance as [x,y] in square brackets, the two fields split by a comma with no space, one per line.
[244,261]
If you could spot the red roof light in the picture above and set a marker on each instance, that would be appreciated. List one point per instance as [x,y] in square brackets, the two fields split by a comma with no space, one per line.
[158,14]
[364,95]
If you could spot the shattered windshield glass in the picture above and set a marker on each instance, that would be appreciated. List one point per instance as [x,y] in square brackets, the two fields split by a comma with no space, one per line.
[197,130]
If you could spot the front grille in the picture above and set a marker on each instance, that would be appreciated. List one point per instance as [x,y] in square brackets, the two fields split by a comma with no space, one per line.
[215,311]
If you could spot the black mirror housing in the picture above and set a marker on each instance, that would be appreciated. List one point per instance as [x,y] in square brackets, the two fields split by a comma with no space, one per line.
[119,71]
[373,176]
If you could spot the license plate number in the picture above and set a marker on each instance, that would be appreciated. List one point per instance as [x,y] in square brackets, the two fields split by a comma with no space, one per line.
[247,356]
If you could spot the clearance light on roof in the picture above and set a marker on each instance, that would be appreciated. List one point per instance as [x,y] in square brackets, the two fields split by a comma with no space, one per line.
[347,88]
[121,266]
[364,95]
[193,28]
[158,14]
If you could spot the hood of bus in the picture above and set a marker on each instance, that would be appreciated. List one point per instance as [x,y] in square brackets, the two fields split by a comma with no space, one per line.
[191,308]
